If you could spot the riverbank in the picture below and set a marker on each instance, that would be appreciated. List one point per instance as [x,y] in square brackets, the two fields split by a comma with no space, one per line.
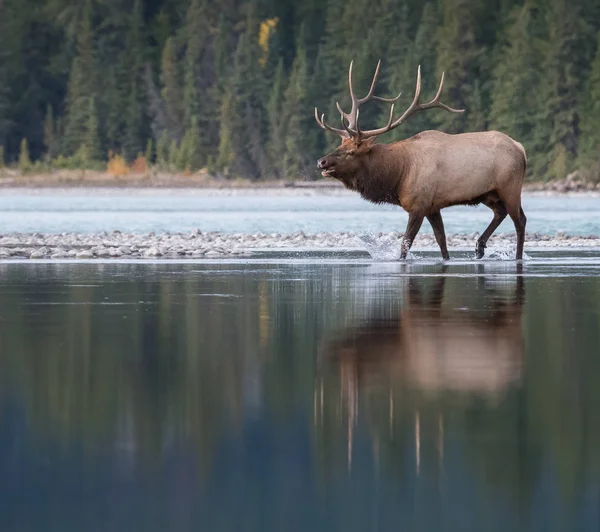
[10,179]
[197,244]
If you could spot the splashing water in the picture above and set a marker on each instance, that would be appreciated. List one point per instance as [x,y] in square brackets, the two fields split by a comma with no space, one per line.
[386,248]
[503,251]
[383,248]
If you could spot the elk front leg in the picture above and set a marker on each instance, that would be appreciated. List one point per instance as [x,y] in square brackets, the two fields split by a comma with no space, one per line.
[437,224]
[412,228]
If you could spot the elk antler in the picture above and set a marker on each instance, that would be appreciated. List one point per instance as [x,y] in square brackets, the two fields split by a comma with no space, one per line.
[352,129]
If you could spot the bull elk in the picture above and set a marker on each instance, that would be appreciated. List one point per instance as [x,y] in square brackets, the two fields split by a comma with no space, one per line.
[430,171]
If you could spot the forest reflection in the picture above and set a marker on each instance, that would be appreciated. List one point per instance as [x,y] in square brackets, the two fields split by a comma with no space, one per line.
[415,372]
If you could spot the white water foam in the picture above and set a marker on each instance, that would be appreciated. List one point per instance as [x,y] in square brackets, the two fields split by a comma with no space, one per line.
[383,248]
[386,248]
[503,251]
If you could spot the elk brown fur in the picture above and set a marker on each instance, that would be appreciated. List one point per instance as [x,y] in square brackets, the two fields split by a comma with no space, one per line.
[429,171]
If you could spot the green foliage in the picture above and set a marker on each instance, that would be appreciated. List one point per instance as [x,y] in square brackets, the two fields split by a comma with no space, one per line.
[113,75]
[2,161]
[50,135]
[174,157]
[162,151]
[149,153]
[81,92]
[589,151]
[24,159]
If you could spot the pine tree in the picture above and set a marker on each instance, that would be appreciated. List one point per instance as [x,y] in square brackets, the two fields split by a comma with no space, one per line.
[298,135]
[458,55]
[562,75]
[515,102]
[149,153]
[50,137]
[81,88]
[5,122]
[228,121]
[171,92]
[331,70]
[423,52]
[248,134]
[589,146]
[135,117]
[91,140]
[276,119]
[162,151]
[24,159]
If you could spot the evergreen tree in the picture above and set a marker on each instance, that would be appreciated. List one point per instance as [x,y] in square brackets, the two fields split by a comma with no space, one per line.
[81,88]
[162,151]
[331,69]
[135,117]
[24,159]
[248,119]
[297,129]
[558,116]
[50,136]
[228,121]
[515,93]
[91,140]
[171,93]
[589,151]
[458,54]
[276,121]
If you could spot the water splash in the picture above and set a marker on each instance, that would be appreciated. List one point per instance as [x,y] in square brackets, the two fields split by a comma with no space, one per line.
[382,247]
[503,250]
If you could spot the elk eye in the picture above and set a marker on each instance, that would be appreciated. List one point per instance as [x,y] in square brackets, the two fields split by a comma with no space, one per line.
[351,152]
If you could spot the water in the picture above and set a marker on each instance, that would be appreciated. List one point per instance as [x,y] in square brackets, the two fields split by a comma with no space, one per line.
[292,394]
[285,211]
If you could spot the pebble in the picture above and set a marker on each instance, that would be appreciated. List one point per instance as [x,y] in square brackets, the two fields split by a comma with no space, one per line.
[220,245]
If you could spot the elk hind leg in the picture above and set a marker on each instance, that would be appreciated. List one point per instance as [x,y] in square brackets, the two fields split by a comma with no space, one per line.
[412,228]
[437,224]
[520,220]
[500,213]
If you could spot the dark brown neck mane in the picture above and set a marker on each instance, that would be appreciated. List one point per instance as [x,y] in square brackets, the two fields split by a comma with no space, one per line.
[379,177]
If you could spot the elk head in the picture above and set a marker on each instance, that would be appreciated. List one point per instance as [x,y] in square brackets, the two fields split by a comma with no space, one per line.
[351,157]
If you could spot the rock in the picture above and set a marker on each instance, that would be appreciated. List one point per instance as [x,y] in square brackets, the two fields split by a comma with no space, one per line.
[59,255]
[85,254]
[152,251]
[39,253]
[100,251]
[213,254]
[125,250]
[4,253]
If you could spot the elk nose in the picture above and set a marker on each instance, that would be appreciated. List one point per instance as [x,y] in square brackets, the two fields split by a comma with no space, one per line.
[323,163]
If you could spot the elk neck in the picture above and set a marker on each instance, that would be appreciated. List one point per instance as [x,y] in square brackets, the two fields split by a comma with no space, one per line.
[382,173]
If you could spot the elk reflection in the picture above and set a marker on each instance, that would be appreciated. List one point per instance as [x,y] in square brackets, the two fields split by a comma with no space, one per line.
[435,345]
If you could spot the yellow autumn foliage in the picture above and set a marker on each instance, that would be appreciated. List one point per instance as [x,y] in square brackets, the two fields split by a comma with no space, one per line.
[267,27]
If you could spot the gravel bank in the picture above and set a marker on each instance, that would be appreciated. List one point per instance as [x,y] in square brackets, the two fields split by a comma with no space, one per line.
[197,244]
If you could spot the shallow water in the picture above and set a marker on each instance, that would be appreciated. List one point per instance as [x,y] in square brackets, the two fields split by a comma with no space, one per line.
[141,211]
[285,394]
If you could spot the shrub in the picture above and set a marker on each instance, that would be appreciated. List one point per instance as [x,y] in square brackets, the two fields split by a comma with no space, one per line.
[24,159]
[116,165]
[140,165]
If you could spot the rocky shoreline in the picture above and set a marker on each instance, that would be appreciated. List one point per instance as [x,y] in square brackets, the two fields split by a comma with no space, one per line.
[205,245]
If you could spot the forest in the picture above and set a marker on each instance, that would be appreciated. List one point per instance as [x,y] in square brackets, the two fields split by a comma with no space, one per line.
[230,86]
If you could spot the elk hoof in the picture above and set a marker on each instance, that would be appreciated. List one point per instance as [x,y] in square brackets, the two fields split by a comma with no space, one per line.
[480,250]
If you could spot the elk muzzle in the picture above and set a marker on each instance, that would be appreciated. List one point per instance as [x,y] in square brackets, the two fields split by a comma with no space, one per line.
[327,165]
